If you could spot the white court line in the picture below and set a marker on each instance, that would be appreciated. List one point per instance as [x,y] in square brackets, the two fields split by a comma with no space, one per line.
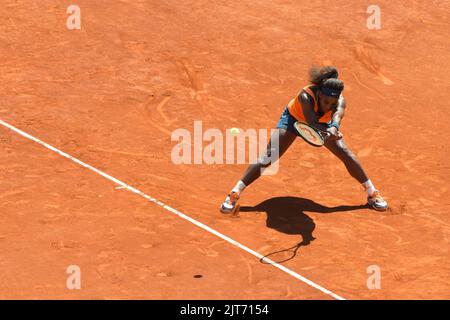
[178,213]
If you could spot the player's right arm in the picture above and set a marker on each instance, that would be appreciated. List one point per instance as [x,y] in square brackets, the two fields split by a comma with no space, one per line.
[311,117]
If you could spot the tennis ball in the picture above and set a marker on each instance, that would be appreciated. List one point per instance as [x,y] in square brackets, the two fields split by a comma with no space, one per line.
[234,131]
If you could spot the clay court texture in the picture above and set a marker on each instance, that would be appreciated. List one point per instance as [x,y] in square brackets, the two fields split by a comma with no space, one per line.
[111,94]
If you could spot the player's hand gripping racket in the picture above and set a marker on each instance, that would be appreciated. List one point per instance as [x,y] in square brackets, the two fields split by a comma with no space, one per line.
[313,136]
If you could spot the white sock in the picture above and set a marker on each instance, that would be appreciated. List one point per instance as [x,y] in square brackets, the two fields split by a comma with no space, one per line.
[239,187]
[369,187]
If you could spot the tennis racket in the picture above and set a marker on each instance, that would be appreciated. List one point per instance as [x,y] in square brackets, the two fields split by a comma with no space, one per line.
[284,255]
[313,136]
[281,255]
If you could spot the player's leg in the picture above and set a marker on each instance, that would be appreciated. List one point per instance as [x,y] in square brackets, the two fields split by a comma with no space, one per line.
[354,167]
[253,172]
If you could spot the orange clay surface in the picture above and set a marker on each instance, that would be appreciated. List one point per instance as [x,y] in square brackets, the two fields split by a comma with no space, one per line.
[111,93]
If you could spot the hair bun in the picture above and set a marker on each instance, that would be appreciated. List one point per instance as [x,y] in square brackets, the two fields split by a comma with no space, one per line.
[319,75]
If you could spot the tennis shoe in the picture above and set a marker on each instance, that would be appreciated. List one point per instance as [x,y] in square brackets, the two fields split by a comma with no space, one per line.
[230,203]
[377,202]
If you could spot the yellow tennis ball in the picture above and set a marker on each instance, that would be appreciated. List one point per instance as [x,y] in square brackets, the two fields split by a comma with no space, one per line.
[234,131]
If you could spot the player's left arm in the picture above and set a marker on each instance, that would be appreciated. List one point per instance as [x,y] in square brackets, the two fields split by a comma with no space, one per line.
[338,115]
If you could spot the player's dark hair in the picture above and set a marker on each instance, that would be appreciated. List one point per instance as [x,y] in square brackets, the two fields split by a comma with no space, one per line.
[333,84]
[319,75]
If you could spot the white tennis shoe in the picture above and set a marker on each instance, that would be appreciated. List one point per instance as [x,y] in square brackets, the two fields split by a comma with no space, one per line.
[230,203]
[377,202]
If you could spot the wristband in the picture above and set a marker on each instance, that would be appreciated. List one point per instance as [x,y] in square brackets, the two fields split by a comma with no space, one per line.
[333,124]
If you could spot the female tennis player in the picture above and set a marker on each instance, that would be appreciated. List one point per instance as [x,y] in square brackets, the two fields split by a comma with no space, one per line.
[322,106]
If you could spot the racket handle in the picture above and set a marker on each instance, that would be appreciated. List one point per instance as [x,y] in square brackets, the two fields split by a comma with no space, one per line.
[326,135]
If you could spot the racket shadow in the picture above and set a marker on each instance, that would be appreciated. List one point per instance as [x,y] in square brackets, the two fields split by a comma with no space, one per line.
[287,215]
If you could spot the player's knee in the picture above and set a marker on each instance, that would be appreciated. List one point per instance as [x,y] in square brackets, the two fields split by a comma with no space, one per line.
[345,153]
[266,159]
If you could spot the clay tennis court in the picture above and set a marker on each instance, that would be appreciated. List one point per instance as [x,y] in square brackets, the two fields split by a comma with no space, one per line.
[111,94]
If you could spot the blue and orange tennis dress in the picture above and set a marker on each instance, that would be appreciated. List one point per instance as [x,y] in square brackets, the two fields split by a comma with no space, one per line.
[293,111]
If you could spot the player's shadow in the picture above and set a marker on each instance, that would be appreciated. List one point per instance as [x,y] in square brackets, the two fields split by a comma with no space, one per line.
[287,215]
